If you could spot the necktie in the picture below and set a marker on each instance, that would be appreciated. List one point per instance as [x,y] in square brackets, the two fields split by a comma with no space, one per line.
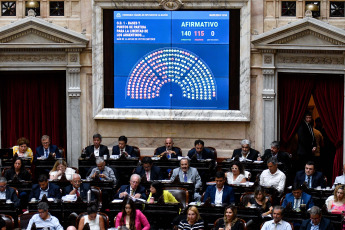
[46,152]
[185,177]
[132,192]
[168,156]
[77,193]
[309,185]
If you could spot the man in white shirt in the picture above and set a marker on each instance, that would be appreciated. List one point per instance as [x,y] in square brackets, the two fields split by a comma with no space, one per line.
[277,223]
[44,220]
[273,177]
[340,179]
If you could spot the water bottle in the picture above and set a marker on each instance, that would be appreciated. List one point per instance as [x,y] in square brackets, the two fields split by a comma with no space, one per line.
[89,196]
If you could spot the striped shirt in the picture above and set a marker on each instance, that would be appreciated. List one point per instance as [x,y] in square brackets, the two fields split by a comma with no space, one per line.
[184,225]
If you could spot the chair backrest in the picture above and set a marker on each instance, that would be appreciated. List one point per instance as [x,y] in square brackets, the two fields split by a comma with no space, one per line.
[62,152]
[154,153]
[181,195]
[23,219]
[98,193]
[136,150]
[8,220]
[105,218]
[213,150]
[16,191]
[245,198]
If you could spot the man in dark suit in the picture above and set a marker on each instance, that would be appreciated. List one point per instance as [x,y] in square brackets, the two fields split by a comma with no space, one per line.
[200,151]
[306,141]
[78,188]
[8,193]
[46,148]
[97,149]
[134,189]
[309,176]
[245,152]
[44,188]
[148,170]
[169,150]
[123,148]
[316,220]
[220,193]
[298,197]
[282,157]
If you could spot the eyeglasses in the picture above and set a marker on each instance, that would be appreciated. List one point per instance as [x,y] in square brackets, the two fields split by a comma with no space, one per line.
[41,212]
[77,181]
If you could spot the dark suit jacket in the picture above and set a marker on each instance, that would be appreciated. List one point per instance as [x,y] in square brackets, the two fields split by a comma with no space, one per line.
[317,179]
[228,194]
[126,188]
[253,154]
[205,154]
[53,192]
[128,149]
[306,198]
[325,224]
[84,188]
[305,140]
[155,172]
[103,150]
[11,195]
[52,149]
[162,149]
[282,157]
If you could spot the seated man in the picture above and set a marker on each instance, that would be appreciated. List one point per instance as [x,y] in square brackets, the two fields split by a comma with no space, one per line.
[188,174]
[316,221]
[149,170]
[97,149]
[340,179]
[273,177]
[123,148]
[169,150]
[220,193]
[43,219]
[298,197]
[46,148]
[44,188]
[134,189]
[275,152]
[8,193]
[309,176]
[78,188]
[102,171]
[200,152]
[277,223]
[245,152]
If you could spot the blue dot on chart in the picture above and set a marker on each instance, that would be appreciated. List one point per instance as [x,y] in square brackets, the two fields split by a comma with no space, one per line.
[193,69]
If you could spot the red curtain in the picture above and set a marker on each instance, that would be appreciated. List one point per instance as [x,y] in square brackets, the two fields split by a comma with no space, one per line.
[33,104]
[329,100]
[294,95]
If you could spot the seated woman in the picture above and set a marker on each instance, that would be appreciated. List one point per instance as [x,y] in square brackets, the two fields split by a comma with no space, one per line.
[22,149]
[156,191]
[131,217]
[337,204]
[18,170]
[236,175]
[59,168]
[95,221]
[230,220]
[193,221]
[260,201]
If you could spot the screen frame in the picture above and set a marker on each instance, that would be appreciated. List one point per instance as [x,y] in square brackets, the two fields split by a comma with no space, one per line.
[101,87]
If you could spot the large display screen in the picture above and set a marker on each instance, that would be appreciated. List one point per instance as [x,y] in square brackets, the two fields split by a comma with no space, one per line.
[171,59]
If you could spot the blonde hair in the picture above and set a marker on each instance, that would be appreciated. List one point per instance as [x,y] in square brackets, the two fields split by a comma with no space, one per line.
[335,193]
[196,211]
[57,163]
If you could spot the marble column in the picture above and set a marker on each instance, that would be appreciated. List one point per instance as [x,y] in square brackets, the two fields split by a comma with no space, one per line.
[269,103]
[73,109]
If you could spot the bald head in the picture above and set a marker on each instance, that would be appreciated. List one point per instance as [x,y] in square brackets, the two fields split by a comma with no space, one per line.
[169,143]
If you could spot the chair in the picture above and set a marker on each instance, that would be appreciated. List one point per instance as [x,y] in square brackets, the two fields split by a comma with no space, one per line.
[62,152]
[243,222]
[23,219]
[16,191]
[137,151]
[8,220]
[266,221]
[181,195]
[98,193]
[245,197]
[213,150]
[105,218]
